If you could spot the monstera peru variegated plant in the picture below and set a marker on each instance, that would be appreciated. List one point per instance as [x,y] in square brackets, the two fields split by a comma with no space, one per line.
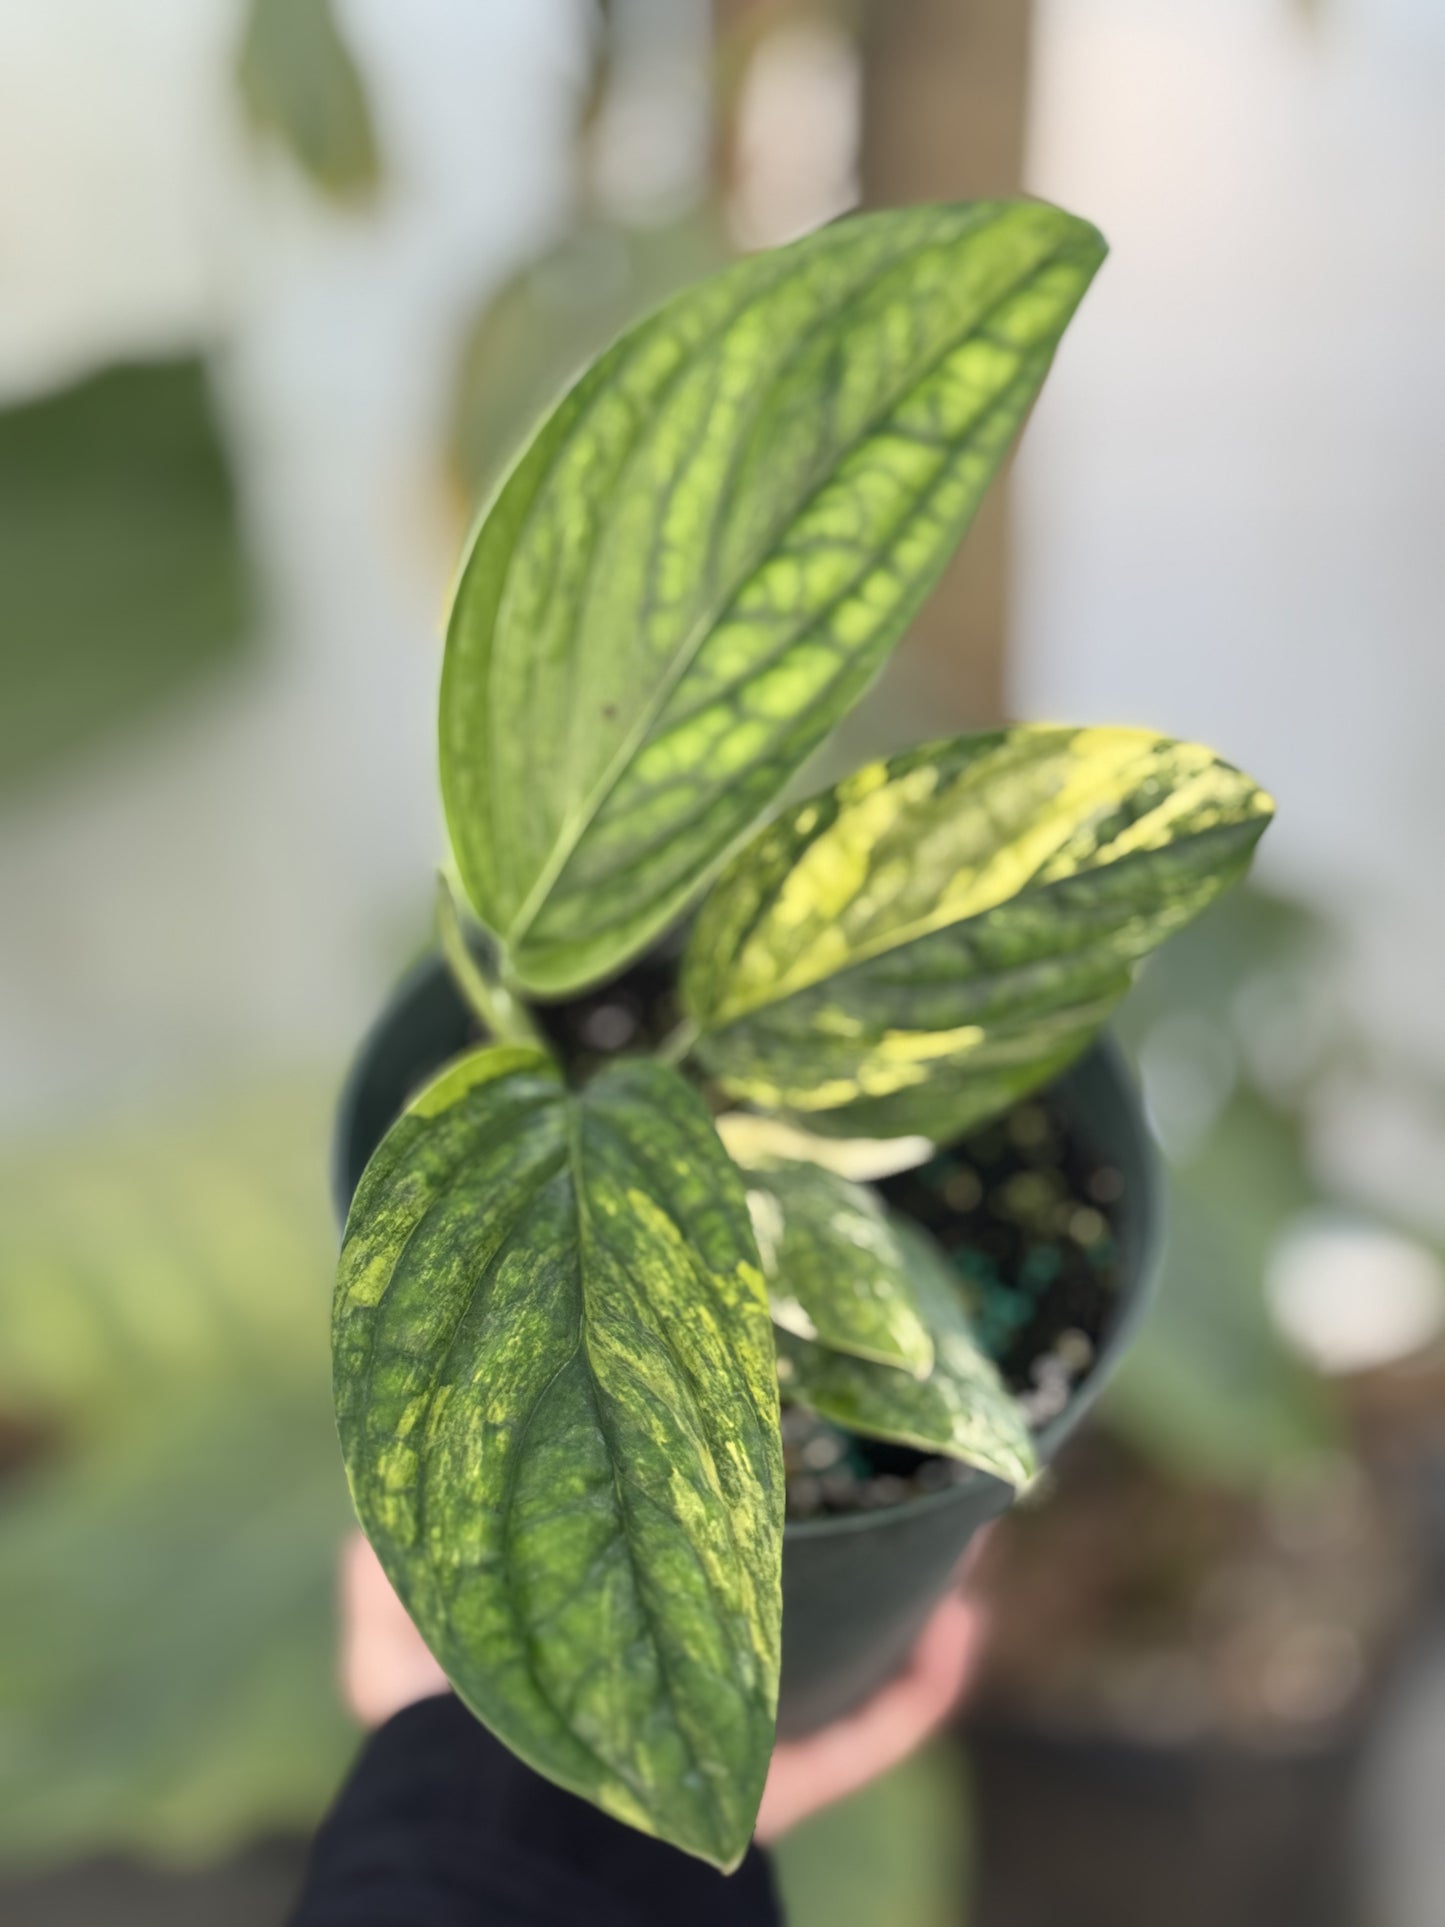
[565,1304]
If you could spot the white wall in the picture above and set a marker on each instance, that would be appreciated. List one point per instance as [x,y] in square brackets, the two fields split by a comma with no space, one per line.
[1231,494]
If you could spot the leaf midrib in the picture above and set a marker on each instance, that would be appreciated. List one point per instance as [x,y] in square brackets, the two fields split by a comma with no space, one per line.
[918,506]
[619,1481]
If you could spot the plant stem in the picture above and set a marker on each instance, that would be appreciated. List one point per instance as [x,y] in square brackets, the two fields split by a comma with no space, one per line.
[678,1043]
[499,1013]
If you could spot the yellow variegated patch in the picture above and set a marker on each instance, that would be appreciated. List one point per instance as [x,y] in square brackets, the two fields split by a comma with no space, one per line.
[711,546]
[914,949]
[751,1138]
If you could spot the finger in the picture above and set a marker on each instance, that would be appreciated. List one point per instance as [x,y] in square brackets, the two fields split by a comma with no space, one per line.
[385,1663]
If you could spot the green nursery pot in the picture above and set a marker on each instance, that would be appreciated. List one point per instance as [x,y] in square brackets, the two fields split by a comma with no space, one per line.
[856,1589]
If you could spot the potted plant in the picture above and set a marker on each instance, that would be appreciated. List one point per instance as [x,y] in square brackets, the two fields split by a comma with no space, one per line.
[715,1096]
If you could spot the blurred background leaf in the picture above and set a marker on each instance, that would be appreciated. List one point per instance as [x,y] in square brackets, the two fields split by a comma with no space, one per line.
[155,1256]
[302,86]
[1210,1392]
[166,1635]
[169,1523]
[123,576]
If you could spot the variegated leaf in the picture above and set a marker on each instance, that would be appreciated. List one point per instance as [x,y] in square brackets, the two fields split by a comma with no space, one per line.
[962,1410]
[557,1398]
[709,549]
[834,1268]
[913,950]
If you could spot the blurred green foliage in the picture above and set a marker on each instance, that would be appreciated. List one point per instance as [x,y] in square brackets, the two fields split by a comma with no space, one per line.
[1209,1390]
[302,86]
[122,570]
[174,1498]
[895,1855]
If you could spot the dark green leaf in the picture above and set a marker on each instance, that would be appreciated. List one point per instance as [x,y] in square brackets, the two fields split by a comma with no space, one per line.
[556,1390]
[914,949]
[962,1409]
[300,83]
[710,548]
[834,1268]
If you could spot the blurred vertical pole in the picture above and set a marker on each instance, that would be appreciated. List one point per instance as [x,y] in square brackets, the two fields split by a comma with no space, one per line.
[945,99]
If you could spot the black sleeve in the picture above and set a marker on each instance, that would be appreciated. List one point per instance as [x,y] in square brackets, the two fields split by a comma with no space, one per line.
[440,1826]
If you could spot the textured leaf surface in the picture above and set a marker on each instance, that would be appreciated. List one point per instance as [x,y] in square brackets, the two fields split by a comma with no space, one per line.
[962,1409]
[834,1268]
[710,547]
[914,949]
[557,1398]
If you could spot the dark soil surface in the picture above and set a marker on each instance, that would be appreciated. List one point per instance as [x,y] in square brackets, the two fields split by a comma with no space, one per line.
[631,1016]
[1026,1212]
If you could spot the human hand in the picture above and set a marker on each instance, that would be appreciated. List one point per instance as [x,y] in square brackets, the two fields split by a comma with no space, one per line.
[385,1665]
[385,1662]
[809,1774]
